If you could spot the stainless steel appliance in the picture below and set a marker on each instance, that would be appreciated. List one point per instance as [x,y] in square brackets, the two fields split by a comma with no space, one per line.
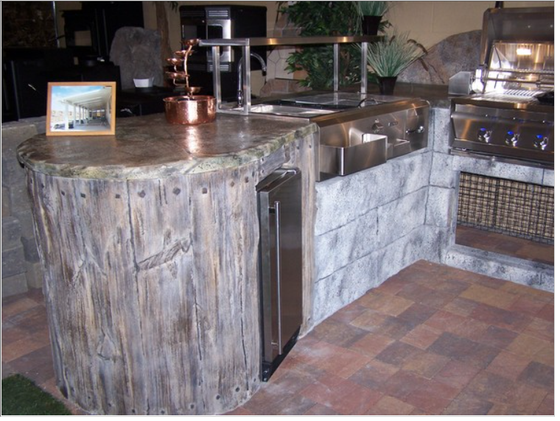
[280,249]
[511,117]
[358,131]
[221,22]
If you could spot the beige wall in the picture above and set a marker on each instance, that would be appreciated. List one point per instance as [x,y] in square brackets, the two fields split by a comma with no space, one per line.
[428,21]
[432,21]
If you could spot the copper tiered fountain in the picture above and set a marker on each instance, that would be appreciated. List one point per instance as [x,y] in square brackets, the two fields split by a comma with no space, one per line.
[190,108]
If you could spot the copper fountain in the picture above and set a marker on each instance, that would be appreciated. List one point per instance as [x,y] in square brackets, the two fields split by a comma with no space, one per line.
[190,109]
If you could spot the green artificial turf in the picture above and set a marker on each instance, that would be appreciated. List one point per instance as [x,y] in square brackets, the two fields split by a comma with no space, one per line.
[20,396]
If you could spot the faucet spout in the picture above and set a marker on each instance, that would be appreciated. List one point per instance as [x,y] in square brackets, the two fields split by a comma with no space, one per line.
[240,76]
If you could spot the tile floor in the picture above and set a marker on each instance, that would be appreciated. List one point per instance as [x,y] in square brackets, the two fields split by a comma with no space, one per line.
[430,340]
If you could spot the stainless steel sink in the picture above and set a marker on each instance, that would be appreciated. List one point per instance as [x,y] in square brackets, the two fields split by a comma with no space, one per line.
[287,110]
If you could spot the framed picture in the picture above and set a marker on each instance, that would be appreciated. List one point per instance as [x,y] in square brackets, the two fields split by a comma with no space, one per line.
[81,108]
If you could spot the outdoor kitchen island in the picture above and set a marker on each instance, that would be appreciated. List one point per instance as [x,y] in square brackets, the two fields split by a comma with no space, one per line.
[149,240]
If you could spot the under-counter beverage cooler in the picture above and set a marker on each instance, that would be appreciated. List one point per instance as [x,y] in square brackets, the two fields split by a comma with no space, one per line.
[280,265]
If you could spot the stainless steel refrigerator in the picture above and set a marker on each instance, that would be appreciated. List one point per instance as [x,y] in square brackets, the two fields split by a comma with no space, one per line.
[280,247]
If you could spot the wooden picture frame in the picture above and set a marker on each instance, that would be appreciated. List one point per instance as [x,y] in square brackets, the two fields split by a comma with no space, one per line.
[81,108]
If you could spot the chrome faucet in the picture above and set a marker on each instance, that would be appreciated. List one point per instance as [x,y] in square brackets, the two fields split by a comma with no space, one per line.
[240,77]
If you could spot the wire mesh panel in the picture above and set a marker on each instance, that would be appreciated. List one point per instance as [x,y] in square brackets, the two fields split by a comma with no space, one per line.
[509,207]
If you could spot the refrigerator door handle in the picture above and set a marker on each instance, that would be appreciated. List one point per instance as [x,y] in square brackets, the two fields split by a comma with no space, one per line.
[278,225]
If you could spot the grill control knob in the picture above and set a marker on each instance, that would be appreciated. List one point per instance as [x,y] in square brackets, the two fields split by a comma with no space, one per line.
[512,138]
[484,135]
[541,142]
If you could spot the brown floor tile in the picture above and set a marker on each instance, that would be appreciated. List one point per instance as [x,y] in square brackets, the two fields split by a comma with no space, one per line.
[374,374]
[465,350]
[425,364]
[527,304]
[547,406]
[461,306]
[426,296]
[547,313]
[527,345]
[388,405]
[538,375]
[501,318]
[545,356]
[372,344]
[417,314]
[319,409]
[338,333]
[466,404]
[497,337]
[457,374]
[489,296]
[541,329]
[445,321]
[508,365]
[343,396]
[421,336]
[397,353]
[525,398]
[491,387]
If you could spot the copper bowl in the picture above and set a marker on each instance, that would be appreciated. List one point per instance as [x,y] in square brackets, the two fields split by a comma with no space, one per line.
[190,110]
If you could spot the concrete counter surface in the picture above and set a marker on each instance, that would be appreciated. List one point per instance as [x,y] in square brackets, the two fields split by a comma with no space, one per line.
[148,147]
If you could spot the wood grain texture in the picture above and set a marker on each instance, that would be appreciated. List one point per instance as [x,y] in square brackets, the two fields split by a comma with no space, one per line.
[152,285]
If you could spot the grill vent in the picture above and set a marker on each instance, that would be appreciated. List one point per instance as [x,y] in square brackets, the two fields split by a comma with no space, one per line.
[506,206]
[217,13]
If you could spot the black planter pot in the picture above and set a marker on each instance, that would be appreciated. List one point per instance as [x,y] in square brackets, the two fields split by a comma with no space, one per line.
[387,84]
[370,25]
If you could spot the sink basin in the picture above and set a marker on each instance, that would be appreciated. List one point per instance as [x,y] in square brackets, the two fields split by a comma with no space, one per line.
[287,110]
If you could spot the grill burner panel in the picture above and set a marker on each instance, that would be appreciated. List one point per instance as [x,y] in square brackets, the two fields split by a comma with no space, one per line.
[504,132]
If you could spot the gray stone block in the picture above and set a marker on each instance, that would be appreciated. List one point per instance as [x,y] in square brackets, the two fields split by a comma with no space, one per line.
[30,249]
[13,262]
[344,286]
[34,275]
[6,206]
[14,285]
[19,197]
[341,246]
[441,207]
[11,233]
[500,266]
[400,217]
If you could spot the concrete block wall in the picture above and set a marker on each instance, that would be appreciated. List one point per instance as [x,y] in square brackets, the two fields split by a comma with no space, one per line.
[369,226]
[21,267]
[372,224]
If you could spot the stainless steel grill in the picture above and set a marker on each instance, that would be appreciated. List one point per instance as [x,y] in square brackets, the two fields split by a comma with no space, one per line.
[512,115]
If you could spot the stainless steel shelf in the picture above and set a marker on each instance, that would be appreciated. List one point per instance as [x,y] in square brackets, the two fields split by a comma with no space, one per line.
[288,41]
[247,43]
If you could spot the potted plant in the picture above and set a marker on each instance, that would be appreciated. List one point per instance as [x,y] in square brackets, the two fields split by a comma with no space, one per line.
[323,18]
[370,14]
[387,58]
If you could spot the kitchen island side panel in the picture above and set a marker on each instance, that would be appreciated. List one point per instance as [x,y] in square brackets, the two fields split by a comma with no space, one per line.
[152,290]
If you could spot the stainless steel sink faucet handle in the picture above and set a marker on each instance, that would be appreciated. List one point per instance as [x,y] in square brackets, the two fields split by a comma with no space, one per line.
[240,76]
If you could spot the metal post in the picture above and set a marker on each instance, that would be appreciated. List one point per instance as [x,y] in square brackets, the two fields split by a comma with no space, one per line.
[363,87]
[216,75]
[336,53]
[246,77]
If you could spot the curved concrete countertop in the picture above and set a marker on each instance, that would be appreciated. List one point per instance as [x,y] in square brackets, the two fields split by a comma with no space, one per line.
[148,147]
[149,239]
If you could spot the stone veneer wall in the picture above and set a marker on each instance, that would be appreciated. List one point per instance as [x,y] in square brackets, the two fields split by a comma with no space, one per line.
[21,268]
[374,223]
